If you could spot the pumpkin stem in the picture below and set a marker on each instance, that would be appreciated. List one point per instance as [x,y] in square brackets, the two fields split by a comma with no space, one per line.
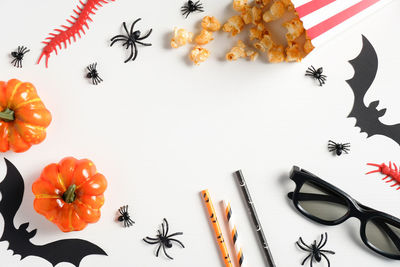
[7,115]
[69,195]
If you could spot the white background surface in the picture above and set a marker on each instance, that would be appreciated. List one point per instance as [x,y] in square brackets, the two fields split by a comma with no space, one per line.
[161,130]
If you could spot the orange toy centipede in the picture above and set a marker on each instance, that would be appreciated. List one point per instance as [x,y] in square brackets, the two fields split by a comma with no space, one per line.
[216,227]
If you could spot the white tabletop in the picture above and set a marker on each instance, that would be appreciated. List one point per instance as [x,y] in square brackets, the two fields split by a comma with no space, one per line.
[161,130]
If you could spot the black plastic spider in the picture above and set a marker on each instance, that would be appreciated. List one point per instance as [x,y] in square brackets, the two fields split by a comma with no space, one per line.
[93,74]
[338,148]
[125,216]
[315,250]
[164,239]
[316,74]
[191,7]
[131,39]
[19,56]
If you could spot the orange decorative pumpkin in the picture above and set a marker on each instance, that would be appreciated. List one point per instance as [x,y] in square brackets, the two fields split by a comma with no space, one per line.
[23,116]
[70,193]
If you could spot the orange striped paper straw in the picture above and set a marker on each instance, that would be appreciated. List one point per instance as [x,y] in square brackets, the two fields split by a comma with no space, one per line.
[216,227]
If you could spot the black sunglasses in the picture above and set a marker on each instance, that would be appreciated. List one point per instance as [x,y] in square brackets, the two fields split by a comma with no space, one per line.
[324,203]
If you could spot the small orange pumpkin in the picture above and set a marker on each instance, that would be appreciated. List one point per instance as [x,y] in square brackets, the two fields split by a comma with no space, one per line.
[23,116]
[70,193]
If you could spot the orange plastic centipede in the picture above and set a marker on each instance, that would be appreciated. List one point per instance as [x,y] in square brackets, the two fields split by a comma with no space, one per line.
[217,228]
[82,17]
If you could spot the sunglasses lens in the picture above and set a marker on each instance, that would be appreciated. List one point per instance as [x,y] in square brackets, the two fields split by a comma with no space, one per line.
[384,235]
[321,203]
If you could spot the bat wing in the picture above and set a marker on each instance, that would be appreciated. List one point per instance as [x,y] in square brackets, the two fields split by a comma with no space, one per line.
[12,191]
[367,117]
[67,250]
[365,68]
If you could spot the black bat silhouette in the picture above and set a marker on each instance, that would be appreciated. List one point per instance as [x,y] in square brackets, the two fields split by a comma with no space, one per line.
[367,118]
[66,250]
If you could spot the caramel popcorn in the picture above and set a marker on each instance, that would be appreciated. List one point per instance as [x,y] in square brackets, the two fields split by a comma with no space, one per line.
[252,55]
[236,51]
[204,37]
[210,24]
[295,29]
[308,46]
[239,5]
[276,54]
[251,15]
[288,4]
[276,11]
[234,25]
[293,52]
[262,3]
[265,43]
[181,37]
[257,32]
[199,55]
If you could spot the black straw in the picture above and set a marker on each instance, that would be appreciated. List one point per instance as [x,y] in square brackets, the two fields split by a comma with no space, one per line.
[254,217]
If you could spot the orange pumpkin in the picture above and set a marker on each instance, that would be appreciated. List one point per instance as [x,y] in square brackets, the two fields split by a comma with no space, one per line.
[23,116]
[70,193]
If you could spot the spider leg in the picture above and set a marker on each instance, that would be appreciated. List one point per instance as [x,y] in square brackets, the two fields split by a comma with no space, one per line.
[133,25]
[136,52]
[150,238]
[166,226]
[306,259]
[311,259]
[327,251]
[188,13]
[329,263]
[150,242]
[147,35]
[179,233]
[163,230]
[126,29]
[166,254]
[127,43]
[323,243]
[158,250]
[119,36]
[177,241]
[302,242]
[302,247]
[145,44]
[116,40]
[129,58]
[184,11]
